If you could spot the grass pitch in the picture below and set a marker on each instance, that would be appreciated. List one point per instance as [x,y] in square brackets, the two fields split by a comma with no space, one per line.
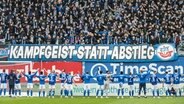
[92,100]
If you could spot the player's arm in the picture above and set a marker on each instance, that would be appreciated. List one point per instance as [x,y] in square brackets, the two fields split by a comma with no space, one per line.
[111,77]
[57,76]
[126,76]
[135,76]
[172,79]
[148,72]
[159,80]
[24,74]
[37,76]
[116,76]
[149,79]
[19,76]
[35,73]
[65,80]
[163,80]
[95,75]
[82,78]
[48,76]
[7,75]
[15,77]
[46,71]
[105,77]
[45,77]
[60,76]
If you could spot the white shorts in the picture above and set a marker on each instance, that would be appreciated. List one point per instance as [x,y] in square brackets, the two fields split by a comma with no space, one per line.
[63,85]
[52,86]
[131,87]
[106,85]
[120,85]
[42,86]
[3,85]
[176,86]
[69,86]
[154,87]
[168,86]
[86,86]
[30,85]
[100,87]
[17,86]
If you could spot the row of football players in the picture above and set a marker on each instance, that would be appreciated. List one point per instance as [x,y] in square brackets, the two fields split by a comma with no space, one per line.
[103,80]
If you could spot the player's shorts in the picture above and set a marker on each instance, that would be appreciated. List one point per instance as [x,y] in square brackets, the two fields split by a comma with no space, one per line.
[86,86]
[168,86]
[63,85]
[42,86]
[69,86]
[107,85]
[176,86]
[120,85]
[101,87]
[29,85]
[52,86]
[3,85]
[131,87]
[154,87]
[17,86]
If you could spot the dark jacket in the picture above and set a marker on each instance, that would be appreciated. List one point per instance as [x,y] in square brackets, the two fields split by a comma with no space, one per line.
[12,78]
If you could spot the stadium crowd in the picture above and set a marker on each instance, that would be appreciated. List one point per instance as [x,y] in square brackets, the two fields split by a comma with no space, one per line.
[91,21]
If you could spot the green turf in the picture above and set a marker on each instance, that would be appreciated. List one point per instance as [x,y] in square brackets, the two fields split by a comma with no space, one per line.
[91,100]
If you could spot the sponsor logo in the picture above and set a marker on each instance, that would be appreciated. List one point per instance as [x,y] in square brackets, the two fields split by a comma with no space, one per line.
[165,51]
[134,68]
[99,66]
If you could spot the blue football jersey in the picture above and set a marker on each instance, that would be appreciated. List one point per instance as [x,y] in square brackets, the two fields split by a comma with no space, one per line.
[154,79]
[17,81]
[86,78]
[30,77]
[167,79]
[3,77]
[176,78]
[52,78]
[63,77]
[131,79]
[142,76]
[42,79]
[100,79]
[69,79]
[121,78]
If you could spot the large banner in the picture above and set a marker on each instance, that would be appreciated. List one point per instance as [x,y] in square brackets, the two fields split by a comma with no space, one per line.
[93,53]
[161,67]
[46,67]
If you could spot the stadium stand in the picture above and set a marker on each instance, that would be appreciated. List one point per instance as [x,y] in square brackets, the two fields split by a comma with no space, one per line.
[91,21]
